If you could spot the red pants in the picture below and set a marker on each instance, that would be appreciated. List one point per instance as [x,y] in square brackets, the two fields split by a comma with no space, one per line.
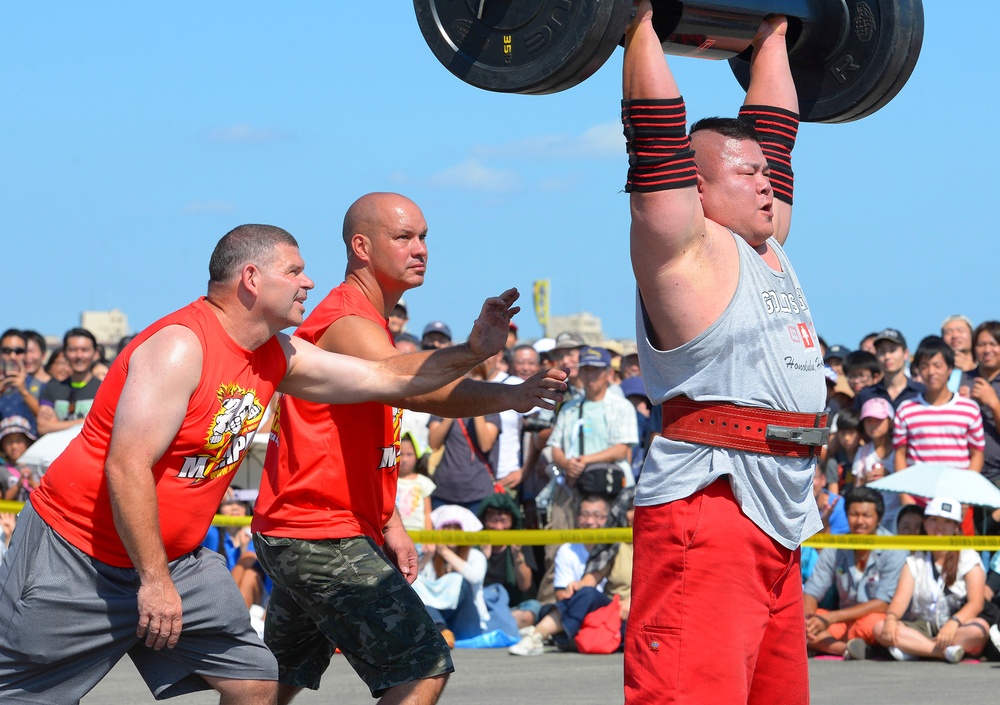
[716,608]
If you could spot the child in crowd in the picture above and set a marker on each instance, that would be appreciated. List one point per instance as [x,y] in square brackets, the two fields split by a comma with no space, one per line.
[942,593]
[842,451]
[876,458]
[413,491]
[862,370]
[15,437]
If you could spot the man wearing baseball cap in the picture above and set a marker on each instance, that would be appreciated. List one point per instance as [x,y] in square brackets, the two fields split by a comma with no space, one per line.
[436,335]
[895,387]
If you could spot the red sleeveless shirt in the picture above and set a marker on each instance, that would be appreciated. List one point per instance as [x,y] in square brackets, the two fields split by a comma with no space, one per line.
[192,475]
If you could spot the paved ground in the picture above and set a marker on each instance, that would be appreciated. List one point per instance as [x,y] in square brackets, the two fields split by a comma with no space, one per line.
[492,676]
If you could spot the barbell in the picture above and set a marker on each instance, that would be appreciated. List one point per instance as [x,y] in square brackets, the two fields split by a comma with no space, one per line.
[848,57]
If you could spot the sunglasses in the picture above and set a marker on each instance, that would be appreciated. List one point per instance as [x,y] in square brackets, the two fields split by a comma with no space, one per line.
[13,351]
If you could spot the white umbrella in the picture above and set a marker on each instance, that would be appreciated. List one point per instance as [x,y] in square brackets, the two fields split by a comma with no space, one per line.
[936,480]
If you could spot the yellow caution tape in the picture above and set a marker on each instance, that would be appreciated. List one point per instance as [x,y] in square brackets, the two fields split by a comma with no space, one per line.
[544,537]
[535,537]
[908,543]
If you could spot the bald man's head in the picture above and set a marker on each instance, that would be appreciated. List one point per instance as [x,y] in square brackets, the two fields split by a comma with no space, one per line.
[373,212]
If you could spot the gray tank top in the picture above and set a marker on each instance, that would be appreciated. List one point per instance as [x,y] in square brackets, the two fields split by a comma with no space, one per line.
[761,352]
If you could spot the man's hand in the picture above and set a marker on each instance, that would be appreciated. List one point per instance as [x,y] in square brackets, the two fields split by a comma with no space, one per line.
[543,389]
[511,480]
[816,625]
[160,612]
[983,392]
[574,467]
[489,333]
[400,550]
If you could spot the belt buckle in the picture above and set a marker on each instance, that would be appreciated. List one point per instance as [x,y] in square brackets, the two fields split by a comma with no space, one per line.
[798,434]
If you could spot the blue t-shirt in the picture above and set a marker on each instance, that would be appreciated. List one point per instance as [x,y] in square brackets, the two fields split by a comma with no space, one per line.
[838,517]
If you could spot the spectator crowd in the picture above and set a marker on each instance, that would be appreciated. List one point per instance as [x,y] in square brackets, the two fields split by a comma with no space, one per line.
[576,467]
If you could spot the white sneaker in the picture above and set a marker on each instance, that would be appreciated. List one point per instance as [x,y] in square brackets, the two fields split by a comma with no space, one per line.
[954,653]
[530,629]
[995,636]
[257,619]
[899,655]
[530,645]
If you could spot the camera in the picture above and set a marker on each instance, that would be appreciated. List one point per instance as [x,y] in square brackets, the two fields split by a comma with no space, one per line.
[11,368]
[534,424]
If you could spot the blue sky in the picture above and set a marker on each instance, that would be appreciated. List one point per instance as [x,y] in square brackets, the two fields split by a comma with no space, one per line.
[134,135]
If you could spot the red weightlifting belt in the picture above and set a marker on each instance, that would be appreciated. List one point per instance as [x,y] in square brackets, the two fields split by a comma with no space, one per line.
[744,428]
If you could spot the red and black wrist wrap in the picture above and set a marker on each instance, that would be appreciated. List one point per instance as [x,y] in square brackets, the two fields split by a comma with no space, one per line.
[659,150]
[777,128]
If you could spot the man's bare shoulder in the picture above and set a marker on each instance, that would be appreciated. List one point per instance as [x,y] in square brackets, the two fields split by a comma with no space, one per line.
[686,297]
[357,336]
[169,346]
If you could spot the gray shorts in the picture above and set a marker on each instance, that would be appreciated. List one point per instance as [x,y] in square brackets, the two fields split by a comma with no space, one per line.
[66,619]
[344,593]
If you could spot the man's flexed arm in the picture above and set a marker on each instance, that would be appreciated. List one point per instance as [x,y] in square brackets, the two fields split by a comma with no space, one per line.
[773,104]
[165,368]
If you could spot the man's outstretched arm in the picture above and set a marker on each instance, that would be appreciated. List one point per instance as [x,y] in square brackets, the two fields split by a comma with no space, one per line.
[773,104]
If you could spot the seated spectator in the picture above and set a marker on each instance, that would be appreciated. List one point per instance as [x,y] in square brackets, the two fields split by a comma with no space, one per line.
[561,622]
[939,609]
[910,520]
[15,437]
[865,581]
[830,505]
[414,488]
[450,582]
[842,451]
[876,458]
[66,403]
[509,567]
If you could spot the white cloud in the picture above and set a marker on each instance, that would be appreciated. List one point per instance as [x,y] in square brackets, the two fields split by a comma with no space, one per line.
[598,142]
[473,175]
[212,207]
[245,134]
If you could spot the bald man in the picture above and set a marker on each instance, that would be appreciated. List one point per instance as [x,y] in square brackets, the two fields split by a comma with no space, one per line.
[326,528]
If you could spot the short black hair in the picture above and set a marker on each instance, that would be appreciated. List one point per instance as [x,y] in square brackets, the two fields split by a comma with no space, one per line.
[862,495]
[14,333]
[861,360]
[991,327]
[79,333]
[38,338]
[848,419]
[736,128]
[911,509]
[931,346]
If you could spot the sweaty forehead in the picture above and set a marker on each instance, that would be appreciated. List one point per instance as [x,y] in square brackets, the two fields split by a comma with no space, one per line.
[712,148]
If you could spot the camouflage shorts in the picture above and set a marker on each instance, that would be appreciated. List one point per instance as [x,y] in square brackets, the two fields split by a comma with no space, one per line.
[344,593]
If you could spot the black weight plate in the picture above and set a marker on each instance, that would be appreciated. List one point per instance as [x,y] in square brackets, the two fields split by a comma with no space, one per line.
[868,69]
[520,46]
